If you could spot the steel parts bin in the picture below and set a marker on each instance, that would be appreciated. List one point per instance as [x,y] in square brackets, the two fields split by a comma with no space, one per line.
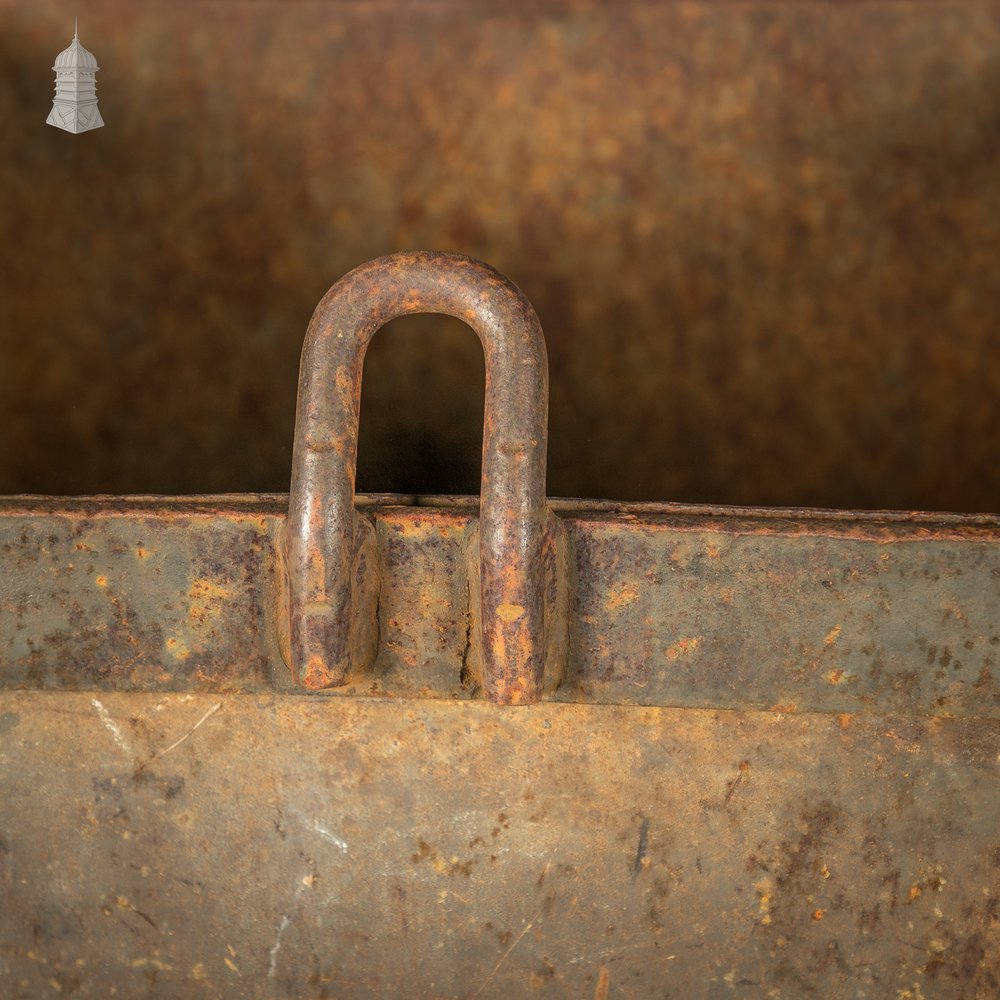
[340,746]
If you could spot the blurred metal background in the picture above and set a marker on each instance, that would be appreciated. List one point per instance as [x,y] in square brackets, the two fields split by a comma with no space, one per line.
[762,239]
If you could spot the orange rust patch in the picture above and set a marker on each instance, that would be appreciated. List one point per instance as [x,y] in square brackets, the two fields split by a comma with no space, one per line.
[623,594]
[101,581]
[831,636]
[207,589]
[510,612]
[844,720]
[316,674]
[603,982]
[818,914]
[682,647]
[206,599]
[835,676]
[765,891]
[343,383]
[411,527]
[914,894]
[177,648]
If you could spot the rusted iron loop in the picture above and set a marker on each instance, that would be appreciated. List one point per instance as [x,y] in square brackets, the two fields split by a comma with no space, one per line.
[322,518]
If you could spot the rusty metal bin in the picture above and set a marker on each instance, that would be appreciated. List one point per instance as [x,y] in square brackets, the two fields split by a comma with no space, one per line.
[339,746]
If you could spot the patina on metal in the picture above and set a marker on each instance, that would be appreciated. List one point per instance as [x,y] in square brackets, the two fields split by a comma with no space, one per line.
[330,545]
[769,767]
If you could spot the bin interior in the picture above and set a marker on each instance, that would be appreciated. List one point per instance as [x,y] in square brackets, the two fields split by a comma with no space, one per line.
[761,237]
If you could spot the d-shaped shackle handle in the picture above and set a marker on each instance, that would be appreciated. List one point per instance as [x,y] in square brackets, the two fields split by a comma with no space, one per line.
[322,532]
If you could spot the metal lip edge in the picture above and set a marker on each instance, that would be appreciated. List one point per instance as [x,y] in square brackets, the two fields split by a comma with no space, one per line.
[807,520]
[334,701]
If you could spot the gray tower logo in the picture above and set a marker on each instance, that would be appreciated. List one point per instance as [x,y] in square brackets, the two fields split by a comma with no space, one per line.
[75,106]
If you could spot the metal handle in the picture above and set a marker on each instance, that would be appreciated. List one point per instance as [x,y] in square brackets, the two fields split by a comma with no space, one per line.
[321,542]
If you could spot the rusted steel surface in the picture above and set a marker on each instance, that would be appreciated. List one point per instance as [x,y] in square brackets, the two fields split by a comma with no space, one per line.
[327,562]
[190,846]
[700,607]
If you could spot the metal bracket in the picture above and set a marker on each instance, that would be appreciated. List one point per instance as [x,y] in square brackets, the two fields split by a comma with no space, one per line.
[322,551]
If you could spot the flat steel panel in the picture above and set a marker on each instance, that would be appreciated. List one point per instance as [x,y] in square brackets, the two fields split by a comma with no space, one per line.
[266,845]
